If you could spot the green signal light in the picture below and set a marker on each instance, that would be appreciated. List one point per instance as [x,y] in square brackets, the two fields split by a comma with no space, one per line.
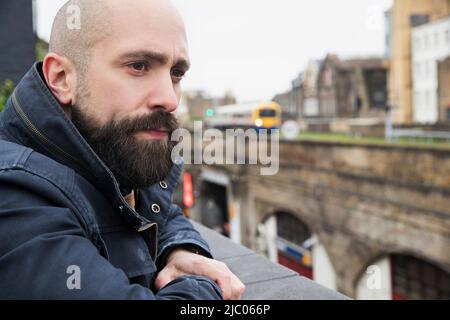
[210,112]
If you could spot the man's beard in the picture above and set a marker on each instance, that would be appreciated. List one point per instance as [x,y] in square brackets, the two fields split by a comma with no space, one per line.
[134,163]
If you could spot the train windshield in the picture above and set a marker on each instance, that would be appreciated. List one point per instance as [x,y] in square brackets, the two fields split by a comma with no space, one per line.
[267,113]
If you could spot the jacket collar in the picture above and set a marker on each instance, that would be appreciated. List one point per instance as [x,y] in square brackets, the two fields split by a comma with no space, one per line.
[34,118]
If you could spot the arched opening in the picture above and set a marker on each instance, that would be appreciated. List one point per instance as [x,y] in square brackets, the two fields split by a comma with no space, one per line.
[287,240]
[214,208]
[294,244]
[217,207]
[403,277]
[416,279]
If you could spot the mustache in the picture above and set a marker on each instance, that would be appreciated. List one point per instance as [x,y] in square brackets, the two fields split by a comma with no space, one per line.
[158,120]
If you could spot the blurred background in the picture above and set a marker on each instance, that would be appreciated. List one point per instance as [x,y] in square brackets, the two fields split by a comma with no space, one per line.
[361,200]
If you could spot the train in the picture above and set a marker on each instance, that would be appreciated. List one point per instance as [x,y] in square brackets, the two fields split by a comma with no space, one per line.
[257,115]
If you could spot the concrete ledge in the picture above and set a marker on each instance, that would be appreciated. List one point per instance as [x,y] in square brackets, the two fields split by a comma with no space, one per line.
[264,279]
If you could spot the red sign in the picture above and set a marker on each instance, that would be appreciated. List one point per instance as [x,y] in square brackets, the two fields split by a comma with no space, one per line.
[188,194]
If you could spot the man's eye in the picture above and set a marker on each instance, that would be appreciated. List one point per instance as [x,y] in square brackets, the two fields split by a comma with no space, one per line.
[138,66]
[178,74]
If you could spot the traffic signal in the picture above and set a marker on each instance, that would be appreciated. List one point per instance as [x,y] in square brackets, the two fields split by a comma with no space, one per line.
[210,112]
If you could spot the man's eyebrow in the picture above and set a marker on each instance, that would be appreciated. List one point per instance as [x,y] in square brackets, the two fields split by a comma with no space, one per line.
[160,58]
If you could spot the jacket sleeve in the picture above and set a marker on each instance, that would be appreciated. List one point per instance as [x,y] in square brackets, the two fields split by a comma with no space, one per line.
[178,231]
[45,252]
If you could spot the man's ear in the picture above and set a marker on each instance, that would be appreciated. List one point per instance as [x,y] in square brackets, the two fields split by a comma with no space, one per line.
[60,75]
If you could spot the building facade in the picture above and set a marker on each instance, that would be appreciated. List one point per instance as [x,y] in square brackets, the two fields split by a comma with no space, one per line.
[352,88]
[332,88]
[310,95]
[430,44]
[404,15]
[327,87]
[298,93]
[291,101]
[444,90]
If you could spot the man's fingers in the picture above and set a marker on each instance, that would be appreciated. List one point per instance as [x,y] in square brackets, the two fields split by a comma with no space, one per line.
[232,287]
[225,286]
[240,289]
[237,289]
[182,262]
[163,278]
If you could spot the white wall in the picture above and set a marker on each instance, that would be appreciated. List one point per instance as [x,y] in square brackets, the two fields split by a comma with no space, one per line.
[375,283]
[235,221]
[311,107]
[430,43]
[323,271]
[268,234]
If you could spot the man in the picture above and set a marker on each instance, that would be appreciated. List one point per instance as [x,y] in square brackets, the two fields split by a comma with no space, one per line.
[86,175]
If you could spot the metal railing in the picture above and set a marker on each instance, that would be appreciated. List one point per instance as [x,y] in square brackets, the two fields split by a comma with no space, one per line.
[392,133]
[421,134]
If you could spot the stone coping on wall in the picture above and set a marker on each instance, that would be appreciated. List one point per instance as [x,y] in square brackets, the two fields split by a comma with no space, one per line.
[264,280]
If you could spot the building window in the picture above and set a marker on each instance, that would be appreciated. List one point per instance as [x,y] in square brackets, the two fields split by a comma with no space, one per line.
[436,40]
[292,229]
[447,36]
[418,19]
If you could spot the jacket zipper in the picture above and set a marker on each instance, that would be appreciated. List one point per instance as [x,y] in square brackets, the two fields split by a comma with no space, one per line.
[41,136]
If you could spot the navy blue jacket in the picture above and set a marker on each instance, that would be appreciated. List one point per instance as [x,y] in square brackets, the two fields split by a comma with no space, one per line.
[63,217]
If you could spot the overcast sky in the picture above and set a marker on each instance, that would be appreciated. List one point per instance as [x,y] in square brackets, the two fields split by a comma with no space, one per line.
[256,47]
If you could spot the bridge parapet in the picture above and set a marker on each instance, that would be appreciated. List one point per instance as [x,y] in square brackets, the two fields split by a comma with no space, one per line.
[264,279]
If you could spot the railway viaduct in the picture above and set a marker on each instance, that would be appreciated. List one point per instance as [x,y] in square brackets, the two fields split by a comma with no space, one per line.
[357,205]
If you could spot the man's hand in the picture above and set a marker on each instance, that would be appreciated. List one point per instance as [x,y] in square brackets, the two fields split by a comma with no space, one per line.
[182,262]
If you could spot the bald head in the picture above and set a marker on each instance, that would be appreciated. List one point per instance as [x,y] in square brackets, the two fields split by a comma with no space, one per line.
[81,24]
[78,26]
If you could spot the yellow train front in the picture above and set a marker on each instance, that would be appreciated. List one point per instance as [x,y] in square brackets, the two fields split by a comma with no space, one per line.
[259,115]
[267,116]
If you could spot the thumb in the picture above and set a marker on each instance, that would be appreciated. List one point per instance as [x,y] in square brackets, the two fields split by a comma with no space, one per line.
[163,278]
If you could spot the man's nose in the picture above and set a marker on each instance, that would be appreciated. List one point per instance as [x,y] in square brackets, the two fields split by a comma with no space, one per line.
[163,95]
